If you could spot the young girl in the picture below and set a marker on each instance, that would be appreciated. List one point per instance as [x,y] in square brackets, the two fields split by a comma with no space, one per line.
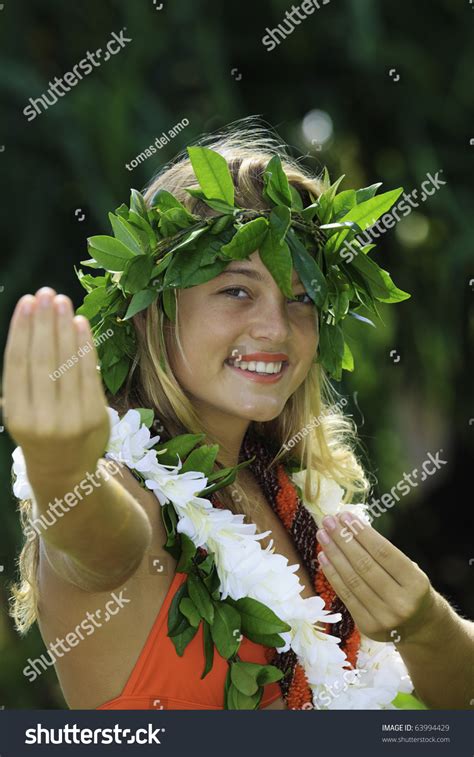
[238,366]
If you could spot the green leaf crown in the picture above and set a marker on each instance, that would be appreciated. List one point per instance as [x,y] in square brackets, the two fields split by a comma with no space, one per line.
[163,247]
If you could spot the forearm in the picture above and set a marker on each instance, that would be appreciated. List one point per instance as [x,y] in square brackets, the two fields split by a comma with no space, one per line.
[93,519]
[440,658]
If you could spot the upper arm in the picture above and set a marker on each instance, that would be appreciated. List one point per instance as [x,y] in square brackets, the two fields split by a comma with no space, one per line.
[76,573]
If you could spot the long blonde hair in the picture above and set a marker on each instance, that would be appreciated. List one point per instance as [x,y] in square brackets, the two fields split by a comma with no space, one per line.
[326,447]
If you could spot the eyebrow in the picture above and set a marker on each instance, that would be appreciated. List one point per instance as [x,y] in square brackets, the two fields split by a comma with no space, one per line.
[250,272]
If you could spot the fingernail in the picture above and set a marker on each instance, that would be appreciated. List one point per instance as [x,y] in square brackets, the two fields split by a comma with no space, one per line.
[322,536]
[44,301]
[323,559]
[26,307]
[330,522]
[62,306]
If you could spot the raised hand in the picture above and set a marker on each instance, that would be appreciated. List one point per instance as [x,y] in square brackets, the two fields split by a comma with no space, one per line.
[57,415]
[387,594]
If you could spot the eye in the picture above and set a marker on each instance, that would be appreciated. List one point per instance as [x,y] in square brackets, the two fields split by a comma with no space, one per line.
[234,289]
[308,301]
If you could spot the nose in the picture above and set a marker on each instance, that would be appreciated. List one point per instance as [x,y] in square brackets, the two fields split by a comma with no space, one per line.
[271,322]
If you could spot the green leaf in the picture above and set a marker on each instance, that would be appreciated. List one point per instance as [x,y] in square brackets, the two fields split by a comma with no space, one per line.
[347,358]
[366,213]
[189,610]
[326,199]
[91,263]
[189,239]
[188,551]
[142,228]
[258,618]
[274,251]
[405,701]
[244,676]
[201,459]
[268,640]
[276,185]
[137,274]
[221,224]
[331,346]
[115,376]
[238,701]
[125,233]
[182,640]
[247,239]
[296,200]
[367,192]
[378,280]
[200,596]
[212,173]
[175,615]
[109,252]
[226,623]
[94,302]
[208,648]
[169,304]
[140,301]
[174,219]
[147,415]
[343,203]
[269,674]
[219,205]
[308,270]
[138,205]
[164,200]
[180,445]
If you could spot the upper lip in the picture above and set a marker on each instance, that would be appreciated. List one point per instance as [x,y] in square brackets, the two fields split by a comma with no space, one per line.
[264,357]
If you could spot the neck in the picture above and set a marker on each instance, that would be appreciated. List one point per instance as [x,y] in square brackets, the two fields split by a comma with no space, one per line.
[228,430]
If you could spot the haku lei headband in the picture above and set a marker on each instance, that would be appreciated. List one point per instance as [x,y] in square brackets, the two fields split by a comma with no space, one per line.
[160,248]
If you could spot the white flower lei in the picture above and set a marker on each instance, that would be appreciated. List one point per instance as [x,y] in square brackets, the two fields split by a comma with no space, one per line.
[247,570]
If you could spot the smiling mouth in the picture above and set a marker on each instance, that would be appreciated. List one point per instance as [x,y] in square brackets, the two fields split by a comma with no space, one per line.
[259,367]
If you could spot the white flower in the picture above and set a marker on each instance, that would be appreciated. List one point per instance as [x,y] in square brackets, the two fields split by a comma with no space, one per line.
[129,439]
[330,498]
[330,495]
[177,488]
[21,486]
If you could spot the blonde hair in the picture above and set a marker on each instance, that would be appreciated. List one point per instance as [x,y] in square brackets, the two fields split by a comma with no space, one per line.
[328,448]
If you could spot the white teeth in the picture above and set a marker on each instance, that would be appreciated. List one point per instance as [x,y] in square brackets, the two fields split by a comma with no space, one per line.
[258,367]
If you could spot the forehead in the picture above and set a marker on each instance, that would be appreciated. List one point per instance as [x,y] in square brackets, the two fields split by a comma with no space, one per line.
[252,269]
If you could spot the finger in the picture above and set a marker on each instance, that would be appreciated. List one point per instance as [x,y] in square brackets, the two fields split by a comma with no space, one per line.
[382,550]
[356,608]
[361,561]
[374,604]
[43,361]
[69,379]
[92,393]
[16,378]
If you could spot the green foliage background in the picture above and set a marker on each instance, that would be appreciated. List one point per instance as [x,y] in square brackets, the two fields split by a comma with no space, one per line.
[179,65]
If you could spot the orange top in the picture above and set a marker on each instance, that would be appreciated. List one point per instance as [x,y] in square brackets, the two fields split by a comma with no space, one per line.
[163,680]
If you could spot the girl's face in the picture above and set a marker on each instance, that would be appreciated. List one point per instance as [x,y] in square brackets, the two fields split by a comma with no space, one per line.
[229,318]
